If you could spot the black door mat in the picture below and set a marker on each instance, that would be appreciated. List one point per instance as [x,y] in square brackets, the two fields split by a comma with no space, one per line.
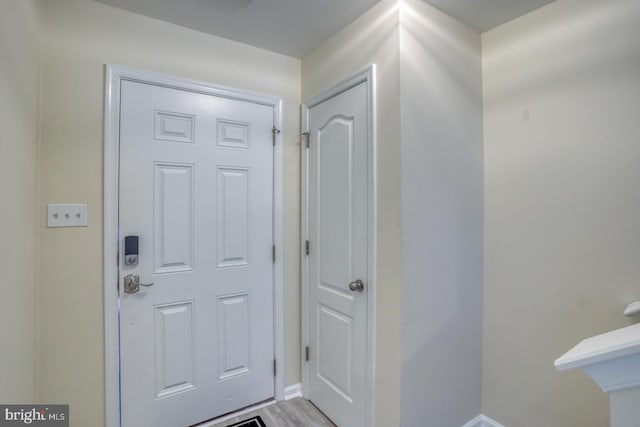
[251,422]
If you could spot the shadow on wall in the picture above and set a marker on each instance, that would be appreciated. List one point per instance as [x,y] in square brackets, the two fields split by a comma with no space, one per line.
[362,45]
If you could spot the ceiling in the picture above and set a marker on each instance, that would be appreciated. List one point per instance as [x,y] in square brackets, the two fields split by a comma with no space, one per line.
[482,15]
[295,27]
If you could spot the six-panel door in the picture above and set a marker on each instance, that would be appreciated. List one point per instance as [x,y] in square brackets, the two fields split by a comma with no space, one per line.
[196,186]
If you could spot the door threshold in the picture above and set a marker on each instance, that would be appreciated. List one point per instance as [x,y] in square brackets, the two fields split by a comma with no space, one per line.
[238,413]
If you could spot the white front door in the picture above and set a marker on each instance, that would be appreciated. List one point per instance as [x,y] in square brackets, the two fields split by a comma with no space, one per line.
[196,187]
[338,219]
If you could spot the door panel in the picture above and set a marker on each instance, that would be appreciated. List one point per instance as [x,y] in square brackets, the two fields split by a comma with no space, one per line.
[173,214]
[335,344]
[174,349]
[338,233]
[234,335]
[233,217]
[196,186]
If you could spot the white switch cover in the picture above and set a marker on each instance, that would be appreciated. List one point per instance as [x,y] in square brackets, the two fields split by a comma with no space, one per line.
[72,215]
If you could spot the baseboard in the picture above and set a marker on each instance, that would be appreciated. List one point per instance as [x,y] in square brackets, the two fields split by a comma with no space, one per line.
[482,421]
[292,391]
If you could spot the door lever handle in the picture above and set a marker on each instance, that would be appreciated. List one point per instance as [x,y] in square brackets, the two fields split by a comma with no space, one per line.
[356,286]
[132,283]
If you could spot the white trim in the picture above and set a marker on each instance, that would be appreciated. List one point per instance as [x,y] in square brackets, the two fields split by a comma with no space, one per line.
[304,235]
[278,240]
[367,76]
[110,253]
[114,76]
[293,391]
[482,421]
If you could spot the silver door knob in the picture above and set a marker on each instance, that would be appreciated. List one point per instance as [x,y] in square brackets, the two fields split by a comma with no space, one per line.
[356,286]
[132,283]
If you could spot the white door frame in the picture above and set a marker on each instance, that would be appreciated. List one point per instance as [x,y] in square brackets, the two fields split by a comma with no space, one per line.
[367,76]
[114,77]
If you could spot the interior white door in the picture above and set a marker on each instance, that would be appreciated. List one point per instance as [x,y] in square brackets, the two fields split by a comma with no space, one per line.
[338,192]
[196,181]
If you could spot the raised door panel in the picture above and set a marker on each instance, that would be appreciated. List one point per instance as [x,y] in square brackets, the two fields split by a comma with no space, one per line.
[334,234]
[173,218]
[234,134]
[335,342]
[233,217]
[176,127]
[174,348]
[234,336]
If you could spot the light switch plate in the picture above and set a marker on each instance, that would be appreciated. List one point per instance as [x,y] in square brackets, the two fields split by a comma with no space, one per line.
[67,215]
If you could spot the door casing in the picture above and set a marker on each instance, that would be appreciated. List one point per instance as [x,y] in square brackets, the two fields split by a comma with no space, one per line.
[367,76]
[114,76]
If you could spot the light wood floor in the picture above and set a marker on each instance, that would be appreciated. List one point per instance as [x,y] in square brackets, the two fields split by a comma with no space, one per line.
[291,413]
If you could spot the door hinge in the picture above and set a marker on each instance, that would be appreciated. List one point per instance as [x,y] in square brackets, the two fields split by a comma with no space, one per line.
[273,253]
[305,135]
[275,131]
[274,368]
[306,354]
[306,248]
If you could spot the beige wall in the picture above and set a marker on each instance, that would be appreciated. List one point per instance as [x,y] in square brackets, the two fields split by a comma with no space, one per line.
[442,218]
[561,90]
[80,37]
[20,48]
[561,117]
[373,38]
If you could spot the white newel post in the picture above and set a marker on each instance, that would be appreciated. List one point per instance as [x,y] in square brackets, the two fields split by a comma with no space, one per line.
[612,360]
